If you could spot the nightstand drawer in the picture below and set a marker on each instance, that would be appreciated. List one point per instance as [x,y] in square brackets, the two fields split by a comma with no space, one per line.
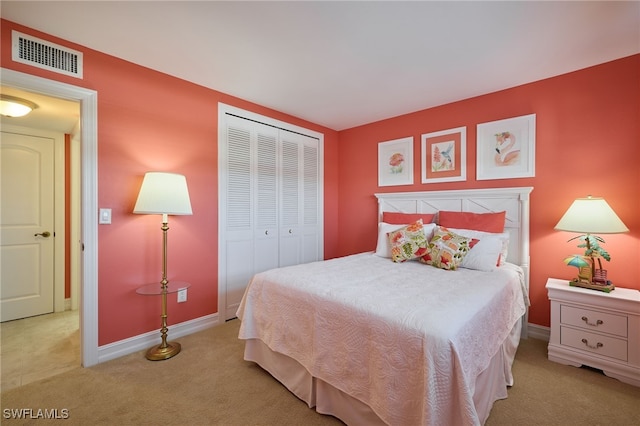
[595,343]
[594,320]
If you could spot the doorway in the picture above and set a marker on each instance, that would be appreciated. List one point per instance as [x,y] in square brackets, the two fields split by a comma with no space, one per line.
[40,177]
[88,301]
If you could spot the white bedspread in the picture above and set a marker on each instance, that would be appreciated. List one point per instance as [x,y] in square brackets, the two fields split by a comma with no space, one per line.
[407,339]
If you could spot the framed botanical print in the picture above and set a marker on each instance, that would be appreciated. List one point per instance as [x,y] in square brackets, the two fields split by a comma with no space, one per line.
[444,156]
[395,162]
[506,148]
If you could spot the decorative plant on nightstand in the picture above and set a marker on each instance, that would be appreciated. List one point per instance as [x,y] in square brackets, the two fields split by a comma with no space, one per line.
[594,251]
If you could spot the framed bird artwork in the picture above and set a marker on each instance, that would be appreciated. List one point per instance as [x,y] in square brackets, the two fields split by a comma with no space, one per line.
[444,156]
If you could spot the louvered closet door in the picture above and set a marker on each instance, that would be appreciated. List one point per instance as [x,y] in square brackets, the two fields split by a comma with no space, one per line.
[311,226]
[238,220]
[270,205]
[298,199]
[266,199]
[251,237]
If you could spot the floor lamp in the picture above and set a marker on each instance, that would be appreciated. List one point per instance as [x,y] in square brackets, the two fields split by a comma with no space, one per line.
[165,194]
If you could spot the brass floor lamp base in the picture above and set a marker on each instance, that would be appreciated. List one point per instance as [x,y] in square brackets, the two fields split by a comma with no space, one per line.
[159,353]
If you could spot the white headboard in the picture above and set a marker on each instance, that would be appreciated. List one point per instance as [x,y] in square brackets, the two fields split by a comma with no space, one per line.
[515,201]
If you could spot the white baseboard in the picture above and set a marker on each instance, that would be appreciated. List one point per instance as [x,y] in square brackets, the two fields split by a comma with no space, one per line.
[538,332]
[144,341]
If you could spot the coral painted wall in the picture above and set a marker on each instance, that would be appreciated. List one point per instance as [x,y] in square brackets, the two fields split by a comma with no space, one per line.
[149,121]
[588,143]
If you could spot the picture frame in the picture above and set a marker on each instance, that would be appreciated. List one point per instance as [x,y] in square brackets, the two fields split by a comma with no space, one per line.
[444,156]
[505,149]
[395,162]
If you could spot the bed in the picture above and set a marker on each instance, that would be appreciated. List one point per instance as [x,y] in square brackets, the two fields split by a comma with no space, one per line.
[374,341]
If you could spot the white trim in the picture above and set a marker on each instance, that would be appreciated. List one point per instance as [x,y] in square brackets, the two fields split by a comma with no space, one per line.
[59,223]
[76,207]
[539,332]
[144,341]
[89,136]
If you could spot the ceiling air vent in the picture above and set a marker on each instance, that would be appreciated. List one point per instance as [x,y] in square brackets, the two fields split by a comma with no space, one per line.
[43,54]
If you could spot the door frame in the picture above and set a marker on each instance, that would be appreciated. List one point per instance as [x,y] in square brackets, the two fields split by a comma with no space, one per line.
[58,207]
[89,197]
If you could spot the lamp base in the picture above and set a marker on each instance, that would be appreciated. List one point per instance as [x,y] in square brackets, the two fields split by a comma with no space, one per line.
[607,288]
[159,353]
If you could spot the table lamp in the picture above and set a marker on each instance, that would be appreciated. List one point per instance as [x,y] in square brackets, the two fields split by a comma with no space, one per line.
[165,194]
[588,216]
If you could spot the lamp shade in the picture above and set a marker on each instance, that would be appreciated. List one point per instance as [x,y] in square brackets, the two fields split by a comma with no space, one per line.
[163,193]
[591,215]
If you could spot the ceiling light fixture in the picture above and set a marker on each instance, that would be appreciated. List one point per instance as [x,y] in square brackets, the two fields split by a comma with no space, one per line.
[10,106]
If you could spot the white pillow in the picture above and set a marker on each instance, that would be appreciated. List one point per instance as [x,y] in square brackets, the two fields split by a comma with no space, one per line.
[383,248]
[479,235]
[484,255]
[429,229]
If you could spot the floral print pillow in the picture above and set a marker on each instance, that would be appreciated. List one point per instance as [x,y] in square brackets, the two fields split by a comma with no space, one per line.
[408,242]
[446,249]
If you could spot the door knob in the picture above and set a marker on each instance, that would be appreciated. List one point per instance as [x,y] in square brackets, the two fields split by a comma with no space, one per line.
[45,234]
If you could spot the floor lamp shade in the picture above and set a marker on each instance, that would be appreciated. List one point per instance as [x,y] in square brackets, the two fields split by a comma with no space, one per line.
[163,193]
[591,215]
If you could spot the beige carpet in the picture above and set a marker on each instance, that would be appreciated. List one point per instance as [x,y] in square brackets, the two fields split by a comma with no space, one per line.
[208,383]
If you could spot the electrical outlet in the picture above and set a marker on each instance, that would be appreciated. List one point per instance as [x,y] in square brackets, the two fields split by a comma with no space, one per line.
[182,295]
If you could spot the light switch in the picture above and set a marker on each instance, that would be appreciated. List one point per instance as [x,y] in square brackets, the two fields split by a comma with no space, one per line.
[105,216]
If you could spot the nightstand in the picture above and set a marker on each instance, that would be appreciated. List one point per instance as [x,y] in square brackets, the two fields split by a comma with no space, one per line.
[597,329]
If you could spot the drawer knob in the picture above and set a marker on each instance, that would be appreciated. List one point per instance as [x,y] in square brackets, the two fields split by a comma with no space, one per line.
[598,345]
[597,323]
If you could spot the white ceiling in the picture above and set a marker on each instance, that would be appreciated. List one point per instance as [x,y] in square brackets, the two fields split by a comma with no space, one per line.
[343,64]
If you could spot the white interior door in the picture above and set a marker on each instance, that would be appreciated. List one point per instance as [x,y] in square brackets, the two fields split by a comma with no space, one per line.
[26,226]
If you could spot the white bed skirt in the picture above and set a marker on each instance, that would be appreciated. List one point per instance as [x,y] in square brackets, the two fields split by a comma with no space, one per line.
[491,384]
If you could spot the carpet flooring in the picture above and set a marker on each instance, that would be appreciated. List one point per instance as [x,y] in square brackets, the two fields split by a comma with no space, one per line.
[209,383]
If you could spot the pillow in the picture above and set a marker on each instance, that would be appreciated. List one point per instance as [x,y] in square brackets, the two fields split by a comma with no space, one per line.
[501,257]
[383,247]
[484,255]
[408,242]
[405,218]
[487,222]
[446,250]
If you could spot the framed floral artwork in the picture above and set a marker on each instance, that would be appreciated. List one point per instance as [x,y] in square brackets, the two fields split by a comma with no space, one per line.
[395,162]
[506,148]
[444,156]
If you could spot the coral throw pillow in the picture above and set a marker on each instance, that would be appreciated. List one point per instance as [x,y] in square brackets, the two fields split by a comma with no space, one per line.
[408,242]
[398,218]
[446,250]
[487,222]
